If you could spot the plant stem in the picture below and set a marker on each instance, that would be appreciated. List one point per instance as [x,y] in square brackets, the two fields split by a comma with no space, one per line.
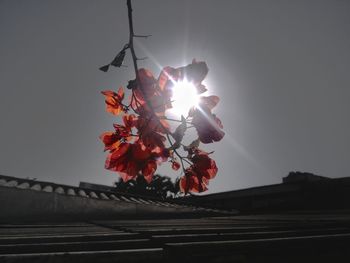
[139,83]
[134,59]
[181,159]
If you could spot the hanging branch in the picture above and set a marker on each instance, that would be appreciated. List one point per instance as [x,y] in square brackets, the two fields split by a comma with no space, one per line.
[174,147]
[139,154]
[134,60]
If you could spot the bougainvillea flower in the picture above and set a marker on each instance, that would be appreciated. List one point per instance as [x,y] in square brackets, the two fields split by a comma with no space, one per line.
[147,86]
[149,169]
[153,140]
[192,182]
[147,95]
[175,165]
[138,144]
[131,159]
[208,126]
[208,102]
[147,80]
[204,165]
[148,123]
[111,140]
[114,101]
[197,176]
[130,121]
[166,76]
[194,73]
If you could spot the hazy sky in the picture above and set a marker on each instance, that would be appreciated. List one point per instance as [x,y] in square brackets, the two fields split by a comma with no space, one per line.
[281,69]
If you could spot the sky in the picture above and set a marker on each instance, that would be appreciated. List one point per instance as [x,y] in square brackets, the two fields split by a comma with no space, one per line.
[281,69]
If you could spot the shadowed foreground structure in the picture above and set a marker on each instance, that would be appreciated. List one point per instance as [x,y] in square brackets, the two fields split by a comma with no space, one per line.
[299,191]
[156,231]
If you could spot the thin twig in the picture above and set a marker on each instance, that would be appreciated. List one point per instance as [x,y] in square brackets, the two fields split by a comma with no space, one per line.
[170,119]
[143,36]
[181,159]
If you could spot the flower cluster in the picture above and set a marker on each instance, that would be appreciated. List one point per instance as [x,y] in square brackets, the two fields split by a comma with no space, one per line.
[145,138]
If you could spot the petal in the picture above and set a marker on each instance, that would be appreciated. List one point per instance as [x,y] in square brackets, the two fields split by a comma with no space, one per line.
[149,170]
[165,76]
[114,101]
[201,88]
[121,93]
[184,184]
[139,152]
[196,71]
[111,140]
[208,126]
[175,165]
[146,76]
[108,93]
[210,102]
[122,150]
[130,121]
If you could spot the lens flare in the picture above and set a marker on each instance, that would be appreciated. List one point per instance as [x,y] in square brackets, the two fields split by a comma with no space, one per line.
[184,98]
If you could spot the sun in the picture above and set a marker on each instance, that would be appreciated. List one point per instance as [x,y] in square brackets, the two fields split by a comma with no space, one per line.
[184,97]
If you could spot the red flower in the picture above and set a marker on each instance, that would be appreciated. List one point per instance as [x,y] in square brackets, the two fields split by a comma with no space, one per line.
[197,176]
[166,76]
[191,182]
[131,159]
[150,129]
[208,126]
[130,120]
[148,94]
[114,101]
[209,102]
[138,145]
[112,140]
[204,165]
[148,123]
[175,165]
[194,73]
[147,86]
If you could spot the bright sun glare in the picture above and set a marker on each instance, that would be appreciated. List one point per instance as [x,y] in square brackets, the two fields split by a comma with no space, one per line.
[184,97]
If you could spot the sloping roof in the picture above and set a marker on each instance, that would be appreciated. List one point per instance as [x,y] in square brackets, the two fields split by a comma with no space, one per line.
[26,199]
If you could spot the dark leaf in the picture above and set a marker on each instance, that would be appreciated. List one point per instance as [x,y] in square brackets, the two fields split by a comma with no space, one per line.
[193,145]
[105,68]
[118,60]
[132,84]
[180,130]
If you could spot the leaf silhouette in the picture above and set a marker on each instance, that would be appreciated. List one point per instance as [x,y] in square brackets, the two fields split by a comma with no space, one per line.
[180,130]
[118,60]
[105,68]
